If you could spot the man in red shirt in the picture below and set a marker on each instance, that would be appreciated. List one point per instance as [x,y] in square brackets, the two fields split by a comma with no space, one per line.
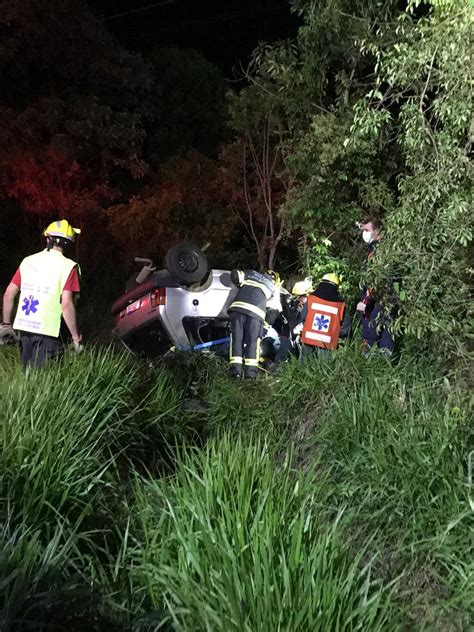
[48,283]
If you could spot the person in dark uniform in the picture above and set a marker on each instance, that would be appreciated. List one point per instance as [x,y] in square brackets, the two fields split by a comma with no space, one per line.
[375,324]
[247,316]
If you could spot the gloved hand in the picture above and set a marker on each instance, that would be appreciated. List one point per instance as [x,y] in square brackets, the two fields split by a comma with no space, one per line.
[7,334]
[361,307]
[298,329]
[77,344]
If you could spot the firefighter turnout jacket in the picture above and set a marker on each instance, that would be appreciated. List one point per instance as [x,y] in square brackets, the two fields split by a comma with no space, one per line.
[255,290]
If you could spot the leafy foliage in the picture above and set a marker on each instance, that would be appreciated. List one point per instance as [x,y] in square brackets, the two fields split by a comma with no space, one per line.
[374,113]
[310,86]
[191,112]
[65,126]
[422,95]
[184,201]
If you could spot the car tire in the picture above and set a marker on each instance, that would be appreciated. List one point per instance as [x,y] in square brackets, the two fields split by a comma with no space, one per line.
[187,264]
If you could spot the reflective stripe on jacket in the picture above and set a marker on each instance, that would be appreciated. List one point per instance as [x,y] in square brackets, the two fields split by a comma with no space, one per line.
[255,290]
[43,277]
[323,323]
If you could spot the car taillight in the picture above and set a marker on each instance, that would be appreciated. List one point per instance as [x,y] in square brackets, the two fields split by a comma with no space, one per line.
[158,297]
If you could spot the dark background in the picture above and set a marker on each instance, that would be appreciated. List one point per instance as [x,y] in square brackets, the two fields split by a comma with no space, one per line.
[225,31]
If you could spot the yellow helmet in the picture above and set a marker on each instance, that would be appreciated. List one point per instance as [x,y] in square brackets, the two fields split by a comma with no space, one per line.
[332,278]
[300,288]
[275,277]
[62,228]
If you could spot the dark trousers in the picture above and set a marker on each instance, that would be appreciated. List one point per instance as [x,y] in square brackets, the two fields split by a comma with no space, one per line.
[375,329]
[245,334]
[37,349]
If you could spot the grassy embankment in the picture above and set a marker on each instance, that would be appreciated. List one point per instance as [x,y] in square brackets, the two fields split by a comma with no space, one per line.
[335,497]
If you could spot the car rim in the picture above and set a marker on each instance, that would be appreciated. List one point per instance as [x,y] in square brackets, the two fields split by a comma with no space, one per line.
[188,262]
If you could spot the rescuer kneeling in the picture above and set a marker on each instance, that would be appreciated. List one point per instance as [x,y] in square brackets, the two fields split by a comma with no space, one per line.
[247,316]
[48,283]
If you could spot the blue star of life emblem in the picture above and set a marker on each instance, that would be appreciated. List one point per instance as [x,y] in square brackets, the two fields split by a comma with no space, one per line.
[321,322]
[30,305]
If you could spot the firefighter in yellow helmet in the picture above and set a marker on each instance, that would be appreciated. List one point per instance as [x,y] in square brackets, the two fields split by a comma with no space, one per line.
[323,316]
[48,284]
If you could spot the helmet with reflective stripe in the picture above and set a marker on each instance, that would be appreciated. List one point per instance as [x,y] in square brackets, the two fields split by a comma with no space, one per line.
[63,229]
[332,278]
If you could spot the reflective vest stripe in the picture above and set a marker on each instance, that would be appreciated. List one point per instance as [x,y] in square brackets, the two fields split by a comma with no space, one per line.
[259,286]
[313,336]
[330,309]
[250,308]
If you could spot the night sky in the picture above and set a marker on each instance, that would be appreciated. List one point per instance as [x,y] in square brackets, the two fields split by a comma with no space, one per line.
[225,31]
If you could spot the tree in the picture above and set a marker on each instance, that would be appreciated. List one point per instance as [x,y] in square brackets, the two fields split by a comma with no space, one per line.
[421,96]
[256,176]
[192,110]
[184,201]
[81,120]
[310,86]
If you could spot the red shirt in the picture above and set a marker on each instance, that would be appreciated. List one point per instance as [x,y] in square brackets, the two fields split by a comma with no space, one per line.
[72,284]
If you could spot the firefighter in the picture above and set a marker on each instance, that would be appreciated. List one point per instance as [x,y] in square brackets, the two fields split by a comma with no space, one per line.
[322,317]
[247,317]
[375,324]
[48,284]
[300,292]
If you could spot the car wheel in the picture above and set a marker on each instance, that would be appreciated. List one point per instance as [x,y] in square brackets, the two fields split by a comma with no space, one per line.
[187,264]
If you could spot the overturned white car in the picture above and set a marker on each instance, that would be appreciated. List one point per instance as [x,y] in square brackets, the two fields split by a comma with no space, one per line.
[184,305]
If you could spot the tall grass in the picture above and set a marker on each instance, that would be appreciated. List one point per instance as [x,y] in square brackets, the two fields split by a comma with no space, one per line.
[35,576]
[59,429]
[393,442]
[68,435]
[334,496]
[233,542]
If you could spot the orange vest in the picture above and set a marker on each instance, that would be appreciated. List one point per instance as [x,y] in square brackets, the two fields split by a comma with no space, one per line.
[323,323]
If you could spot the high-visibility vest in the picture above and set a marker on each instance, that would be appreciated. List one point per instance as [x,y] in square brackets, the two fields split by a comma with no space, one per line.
[43,277]
[323,323]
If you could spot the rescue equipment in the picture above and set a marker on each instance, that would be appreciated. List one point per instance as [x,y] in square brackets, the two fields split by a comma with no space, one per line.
[323,323]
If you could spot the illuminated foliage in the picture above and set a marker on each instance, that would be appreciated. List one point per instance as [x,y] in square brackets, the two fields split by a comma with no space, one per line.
[73,112]
[185,200]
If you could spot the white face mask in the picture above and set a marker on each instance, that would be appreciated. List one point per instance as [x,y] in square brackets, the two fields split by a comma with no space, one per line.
[367,236]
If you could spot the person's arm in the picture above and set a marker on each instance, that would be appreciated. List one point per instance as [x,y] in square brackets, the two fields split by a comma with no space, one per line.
[68,308]
[9,302]
[237,277]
